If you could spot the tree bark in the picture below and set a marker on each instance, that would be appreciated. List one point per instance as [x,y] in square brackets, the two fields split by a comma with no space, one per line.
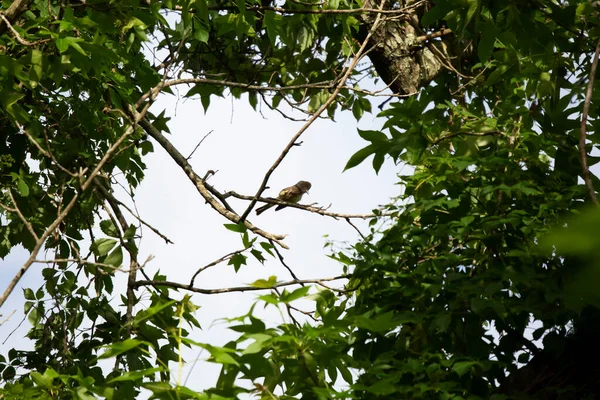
[400,59]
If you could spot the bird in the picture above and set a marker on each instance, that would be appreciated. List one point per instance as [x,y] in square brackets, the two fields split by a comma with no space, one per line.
[291,194]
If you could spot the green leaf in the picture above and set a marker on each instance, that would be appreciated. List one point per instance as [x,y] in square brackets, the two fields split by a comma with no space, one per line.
[578,237]
[220,355]
[28,294]
[102,246]
[272,21]
[373,136]
[258,255]
[359,156]
[462,367]
[268,247]
[474,8]
[64,43]
[200,32]
[378,161]
[381,323]
[43,381]
[261,283]
[486,43]
[295,295]
[260,341]
[129,232]
[135,375]
[115,258]
[437,12]
[240,228]
[237,260]
[37,66]
[117,348]
[108,228]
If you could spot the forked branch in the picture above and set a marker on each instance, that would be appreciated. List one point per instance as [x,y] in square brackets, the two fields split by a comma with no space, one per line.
[202,187]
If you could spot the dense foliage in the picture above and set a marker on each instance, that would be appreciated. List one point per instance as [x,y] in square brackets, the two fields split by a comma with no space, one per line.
[472,291]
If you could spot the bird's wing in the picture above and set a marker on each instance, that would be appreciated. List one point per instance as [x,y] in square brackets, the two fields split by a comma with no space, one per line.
[287,193]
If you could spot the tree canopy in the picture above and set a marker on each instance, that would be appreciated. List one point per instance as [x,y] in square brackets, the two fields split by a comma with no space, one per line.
[482,281]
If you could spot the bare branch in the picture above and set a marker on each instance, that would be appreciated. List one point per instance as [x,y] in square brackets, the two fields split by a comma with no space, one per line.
[309,314]
[7,318]
[16,8]
[17,36]
[440,33]
[177,285]
[317,210]
[583,134]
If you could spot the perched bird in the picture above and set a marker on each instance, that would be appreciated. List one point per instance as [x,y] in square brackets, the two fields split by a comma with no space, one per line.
[291,194]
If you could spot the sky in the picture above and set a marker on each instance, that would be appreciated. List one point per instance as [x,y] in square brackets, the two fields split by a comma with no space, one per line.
[241,148]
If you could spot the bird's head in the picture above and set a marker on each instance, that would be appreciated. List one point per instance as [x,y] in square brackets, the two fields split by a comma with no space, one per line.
[304,186]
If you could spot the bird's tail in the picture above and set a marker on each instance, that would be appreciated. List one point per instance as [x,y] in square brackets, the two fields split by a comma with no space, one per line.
[264,208]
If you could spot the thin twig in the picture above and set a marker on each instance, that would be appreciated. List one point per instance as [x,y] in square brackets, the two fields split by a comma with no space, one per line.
[17,211]
[445,61]
[471,81]
[218,261]
[284,264]
[583,134]
[47,153]
[7,318]
[146,224]
[153,92]
[198,145]
[356,229]
[288,309]
[143,222]
[307,313]
[306,3]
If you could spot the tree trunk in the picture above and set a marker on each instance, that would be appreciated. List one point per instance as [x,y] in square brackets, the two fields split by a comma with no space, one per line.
[403,62]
